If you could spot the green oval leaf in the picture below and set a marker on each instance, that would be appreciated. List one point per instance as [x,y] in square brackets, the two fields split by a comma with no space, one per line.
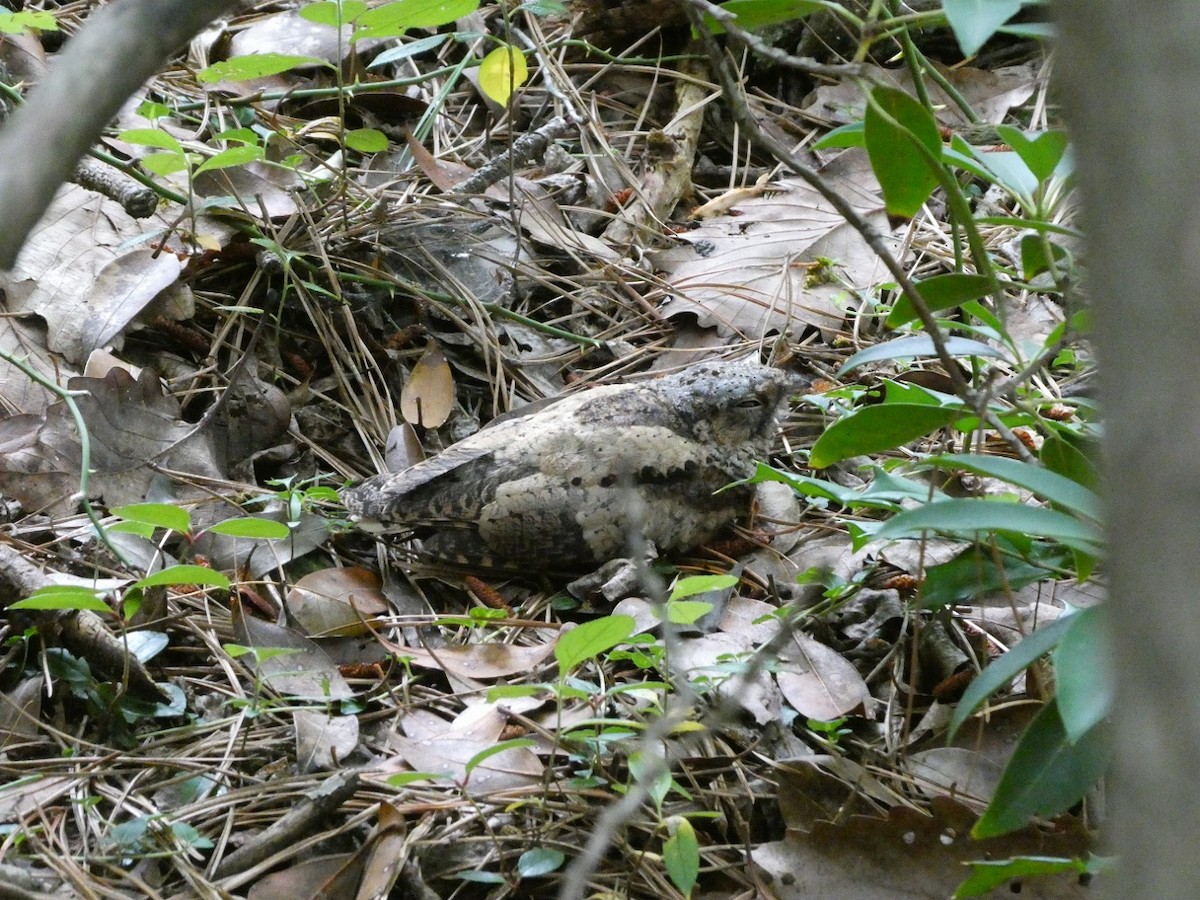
[1083,674]
[185,575]
[233,156]
[63,596]
[538,862]
[258,529]
[150,137]
[591,639]
[393,19]
[701,584]
[895,127]
[160,515]
[681,855]
[366,140]
[940,292]
[752,14]
[256,65]
[874,429]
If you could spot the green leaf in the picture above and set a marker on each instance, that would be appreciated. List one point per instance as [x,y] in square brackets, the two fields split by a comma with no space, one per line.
[258,529]
[1003,670]
[327,12]
[940,292]
[1040,151]
[753,14]
[974,21]
[256,65]
[160,515]
[874,429]
[918,345]
[905,176]
[409,49]
[488,753]
[1083,674]
[979,571]
[538,862]
[164,163]
[393,19]
[965,519]
[1046,775]
[366,140]
[1035,259]
[988,874]
[150,137]
[681,855]
[590,640]
[1049,485]
[1060,454]
[233,156]
[501,72]
[185,575]
[22,22]
[687,612]
[64,596]
[701,584]
[850,135]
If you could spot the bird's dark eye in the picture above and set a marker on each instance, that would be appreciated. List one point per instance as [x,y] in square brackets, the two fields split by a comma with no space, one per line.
[750,403]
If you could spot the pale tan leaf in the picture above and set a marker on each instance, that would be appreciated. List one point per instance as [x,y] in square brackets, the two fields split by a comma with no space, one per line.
[336,601]
[819,682]
[428,395]
[323,741]
[480,661]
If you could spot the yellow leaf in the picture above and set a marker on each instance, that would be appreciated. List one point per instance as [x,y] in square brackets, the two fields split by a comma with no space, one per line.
[502,72]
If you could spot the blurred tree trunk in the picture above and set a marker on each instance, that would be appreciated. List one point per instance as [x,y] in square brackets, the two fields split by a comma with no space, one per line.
[1130,81]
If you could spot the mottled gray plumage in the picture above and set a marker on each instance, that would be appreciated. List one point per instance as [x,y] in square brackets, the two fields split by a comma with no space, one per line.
[560,488]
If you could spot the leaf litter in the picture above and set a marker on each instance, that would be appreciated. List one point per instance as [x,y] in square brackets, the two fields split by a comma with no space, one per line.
[406,308]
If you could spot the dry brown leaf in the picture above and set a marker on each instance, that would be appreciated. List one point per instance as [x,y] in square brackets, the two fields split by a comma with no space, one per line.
[305,671]
[336,601]
[323,741]
[428,395]
[819,682]
[511,768]
[480,661]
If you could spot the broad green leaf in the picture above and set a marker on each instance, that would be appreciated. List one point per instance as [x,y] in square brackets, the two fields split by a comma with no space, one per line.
[989,874]
[687,612]
[701,584]
[1049,485]
[850,135]
[256,65]
[1010,172]
[1001,671]
[681,855]
[63,596]
[1046,775]
[874,429]
[393,19]
[160,515]
[940,292]
[1035,259]
[986,569]
[164,163]
[502,72]
[22,22]
[965,519]
[1083,674]
[327,12]
[367,140]
[252,527]
[539,861]
[590,639]
[753,14]
[918,345]
[150,137]
[233,156]
[185,575]
[974,21]
[905,176]
[1060,454]
[1040,152]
